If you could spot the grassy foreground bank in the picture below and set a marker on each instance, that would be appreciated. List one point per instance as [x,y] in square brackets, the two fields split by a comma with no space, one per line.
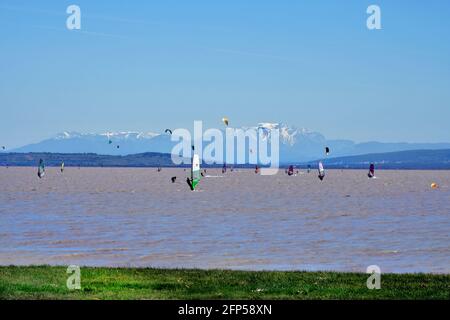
[45,282]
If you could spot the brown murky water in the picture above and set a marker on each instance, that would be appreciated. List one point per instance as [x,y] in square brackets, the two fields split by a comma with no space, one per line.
[137,217]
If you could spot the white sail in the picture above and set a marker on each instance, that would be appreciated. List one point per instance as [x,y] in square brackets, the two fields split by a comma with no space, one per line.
[321,169]
[195,171]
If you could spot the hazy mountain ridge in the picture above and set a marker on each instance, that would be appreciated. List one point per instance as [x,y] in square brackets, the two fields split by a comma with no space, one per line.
[296,145]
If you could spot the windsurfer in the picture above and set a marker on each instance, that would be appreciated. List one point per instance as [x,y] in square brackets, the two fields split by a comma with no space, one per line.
[189,182]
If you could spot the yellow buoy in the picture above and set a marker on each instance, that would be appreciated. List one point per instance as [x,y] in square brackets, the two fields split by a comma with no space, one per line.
[434,185]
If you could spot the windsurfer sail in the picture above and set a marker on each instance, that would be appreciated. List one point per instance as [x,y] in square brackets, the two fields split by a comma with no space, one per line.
[109,138]
[371,173]
[41,169]
[195,173]
[321,171]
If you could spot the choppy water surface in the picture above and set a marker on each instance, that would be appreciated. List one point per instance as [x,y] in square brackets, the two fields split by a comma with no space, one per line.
[137,217]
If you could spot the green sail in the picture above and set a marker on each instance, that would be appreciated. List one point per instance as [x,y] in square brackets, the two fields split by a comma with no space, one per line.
[195,171]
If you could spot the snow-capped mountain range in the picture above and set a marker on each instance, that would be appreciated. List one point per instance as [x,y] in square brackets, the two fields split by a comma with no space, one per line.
[296,145]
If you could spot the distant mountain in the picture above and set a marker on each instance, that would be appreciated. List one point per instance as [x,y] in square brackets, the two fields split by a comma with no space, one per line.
[413,159]
[110,143]
[296,145]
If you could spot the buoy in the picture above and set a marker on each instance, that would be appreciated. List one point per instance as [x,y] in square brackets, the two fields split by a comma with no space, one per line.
[434,185]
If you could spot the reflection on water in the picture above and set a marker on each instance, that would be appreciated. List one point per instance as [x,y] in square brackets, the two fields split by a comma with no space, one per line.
[138,217]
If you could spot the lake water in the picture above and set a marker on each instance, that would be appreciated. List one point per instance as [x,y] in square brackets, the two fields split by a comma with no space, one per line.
[240,220]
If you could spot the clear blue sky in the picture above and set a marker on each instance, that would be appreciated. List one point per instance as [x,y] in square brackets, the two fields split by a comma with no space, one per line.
[151,65]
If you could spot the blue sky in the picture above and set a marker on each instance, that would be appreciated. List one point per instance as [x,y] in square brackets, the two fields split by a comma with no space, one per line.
[147,66]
